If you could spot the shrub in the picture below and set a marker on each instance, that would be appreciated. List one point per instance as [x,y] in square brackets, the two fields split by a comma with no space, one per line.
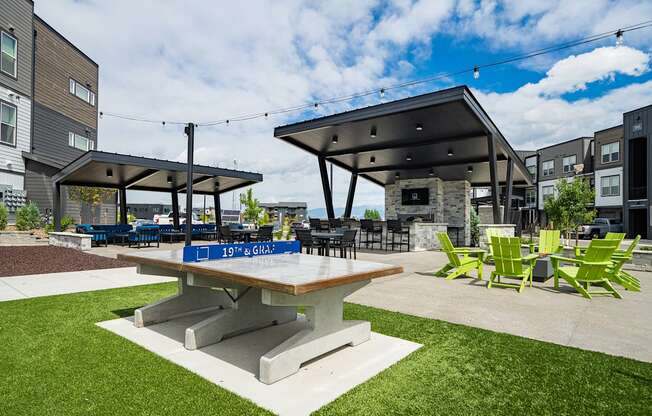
[4,214]
[66,222]
[475,230]
[28,217]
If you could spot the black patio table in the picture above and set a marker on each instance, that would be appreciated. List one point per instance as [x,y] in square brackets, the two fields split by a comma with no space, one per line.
[173,235]
[326,238]
[245,234]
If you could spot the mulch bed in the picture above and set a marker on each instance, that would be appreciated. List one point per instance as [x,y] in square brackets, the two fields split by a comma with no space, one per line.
[23,260]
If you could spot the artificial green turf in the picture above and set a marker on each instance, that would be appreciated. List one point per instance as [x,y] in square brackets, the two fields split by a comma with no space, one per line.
[54,360]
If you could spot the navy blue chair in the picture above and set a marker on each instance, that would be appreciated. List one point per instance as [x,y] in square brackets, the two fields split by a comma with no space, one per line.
[145,235]
[97,236]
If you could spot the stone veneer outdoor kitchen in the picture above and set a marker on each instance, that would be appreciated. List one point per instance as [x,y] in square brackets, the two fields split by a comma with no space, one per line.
[449,205]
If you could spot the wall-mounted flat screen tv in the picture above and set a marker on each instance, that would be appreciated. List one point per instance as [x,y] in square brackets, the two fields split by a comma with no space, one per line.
[417,196]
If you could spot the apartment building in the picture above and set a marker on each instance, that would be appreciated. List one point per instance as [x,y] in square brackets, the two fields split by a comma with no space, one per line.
[609,173]
[278,210]
[16,54]
[49,95]
[637,171]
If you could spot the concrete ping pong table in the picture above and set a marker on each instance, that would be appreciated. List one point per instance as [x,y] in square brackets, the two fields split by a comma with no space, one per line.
[247,293]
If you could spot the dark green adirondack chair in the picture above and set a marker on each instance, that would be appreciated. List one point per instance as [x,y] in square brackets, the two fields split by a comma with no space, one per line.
[616,272]
[590,270]
[510,263]
[458,266]
[549,243]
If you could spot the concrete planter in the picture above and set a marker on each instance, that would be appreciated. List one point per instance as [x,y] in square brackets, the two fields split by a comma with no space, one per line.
[505,230]
[80,242]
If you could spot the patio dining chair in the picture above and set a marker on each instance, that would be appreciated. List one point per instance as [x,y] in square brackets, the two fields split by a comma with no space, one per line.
[549,243]
[265,233]
[510,263]
[305,238]
[590,270]
[346,243]
[458,266]
[371,231]
[616,272]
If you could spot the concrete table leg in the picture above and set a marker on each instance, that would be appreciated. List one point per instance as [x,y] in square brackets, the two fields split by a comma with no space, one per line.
[189,301]
[327,330]
[247,313]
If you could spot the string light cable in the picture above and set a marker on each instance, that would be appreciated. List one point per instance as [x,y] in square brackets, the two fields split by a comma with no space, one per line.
[475,70]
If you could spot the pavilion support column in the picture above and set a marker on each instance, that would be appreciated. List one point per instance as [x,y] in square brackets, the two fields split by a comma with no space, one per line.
[175,209]
[351,195]
[508,191]
[493,177]
[218,208]
[56,205]
[328,196]
[190,131]
[123,205]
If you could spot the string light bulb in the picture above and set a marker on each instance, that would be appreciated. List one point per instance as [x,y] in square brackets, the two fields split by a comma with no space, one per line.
[382,93]
[163,123]
[373,132]
[619,38]
[334,139]
[476,72]
[372,160]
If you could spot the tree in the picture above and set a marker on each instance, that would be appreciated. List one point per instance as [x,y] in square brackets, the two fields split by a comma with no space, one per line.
[252,209]
[90,195]
[28,217]
[371,214]
[571,206]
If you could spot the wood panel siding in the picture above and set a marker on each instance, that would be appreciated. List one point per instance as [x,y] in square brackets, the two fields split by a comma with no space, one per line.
[18,14]
[57,61]
[51,131]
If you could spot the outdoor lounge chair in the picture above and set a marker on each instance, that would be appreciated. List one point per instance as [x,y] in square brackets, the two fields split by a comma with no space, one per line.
[579,251]
[458,266]
[616,272]
[510,263]
[549,243]
[491,232]
[591,270]
[97,236]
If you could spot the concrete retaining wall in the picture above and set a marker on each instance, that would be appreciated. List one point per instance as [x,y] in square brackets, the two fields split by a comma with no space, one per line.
[80,242]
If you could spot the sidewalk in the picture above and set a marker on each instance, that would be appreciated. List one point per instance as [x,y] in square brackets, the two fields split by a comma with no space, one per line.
[30,286]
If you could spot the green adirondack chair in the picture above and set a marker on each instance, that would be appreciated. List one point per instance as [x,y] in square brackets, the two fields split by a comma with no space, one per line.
[458,266]
[510,263]
[616,272]
[579,251]
[491,232]
[590,270]
[549,243]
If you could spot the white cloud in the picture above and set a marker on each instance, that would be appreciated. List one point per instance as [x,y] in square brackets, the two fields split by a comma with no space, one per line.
[197,61]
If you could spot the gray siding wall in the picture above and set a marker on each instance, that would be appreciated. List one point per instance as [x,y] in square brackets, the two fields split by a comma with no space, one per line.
[579,147]
[51,135]
[18,14]
[38,183]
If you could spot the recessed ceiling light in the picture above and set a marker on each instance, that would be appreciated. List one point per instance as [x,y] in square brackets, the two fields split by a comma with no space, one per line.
[398,175]
[469,169]
[432,172]
[450,152]
[408,158]
[169,179]
[372,133]
[334,139]
[109,172]
[372,160]
[419,127]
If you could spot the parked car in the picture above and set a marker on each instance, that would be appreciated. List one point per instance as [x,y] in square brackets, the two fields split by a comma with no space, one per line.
[599,228]
[169,219]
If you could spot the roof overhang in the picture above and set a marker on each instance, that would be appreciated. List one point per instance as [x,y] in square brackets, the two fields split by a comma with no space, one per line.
[452,121]
[113,170]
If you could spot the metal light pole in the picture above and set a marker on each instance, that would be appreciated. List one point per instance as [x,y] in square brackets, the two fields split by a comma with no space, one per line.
[190,131]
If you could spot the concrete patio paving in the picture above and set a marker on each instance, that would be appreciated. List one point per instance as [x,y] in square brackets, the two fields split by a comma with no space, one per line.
[615,326]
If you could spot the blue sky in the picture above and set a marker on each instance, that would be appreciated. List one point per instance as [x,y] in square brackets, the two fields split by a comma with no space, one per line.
[195,61]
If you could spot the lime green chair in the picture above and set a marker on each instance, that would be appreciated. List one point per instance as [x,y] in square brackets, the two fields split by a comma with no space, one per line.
[510,263]
[491,232]
[590,270]
[458,266]
[579,251]
[549,243]
[616,272]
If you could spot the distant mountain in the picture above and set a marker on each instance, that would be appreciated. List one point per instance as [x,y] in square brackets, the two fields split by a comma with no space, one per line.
[357,211]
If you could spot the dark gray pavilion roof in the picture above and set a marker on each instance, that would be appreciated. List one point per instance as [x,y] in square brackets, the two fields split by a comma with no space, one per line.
[113,170]
[452,120]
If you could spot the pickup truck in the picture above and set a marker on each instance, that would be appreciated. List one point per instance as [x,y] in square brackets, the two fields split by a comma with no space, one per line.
[599,228]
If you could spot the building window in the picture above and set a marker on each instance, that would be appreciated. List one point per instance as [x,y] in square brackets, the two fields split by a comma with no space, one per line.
[569,163]
[9,55]
[80,142]
[530,197]
[8,124]
[548,168]
[82,92]
[610,185]
[548,192]
[531,165]
[610,152]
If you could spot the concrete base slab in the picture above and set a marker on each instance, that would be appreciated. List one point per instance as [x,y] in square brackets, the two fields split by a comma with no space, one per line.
[234,363]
